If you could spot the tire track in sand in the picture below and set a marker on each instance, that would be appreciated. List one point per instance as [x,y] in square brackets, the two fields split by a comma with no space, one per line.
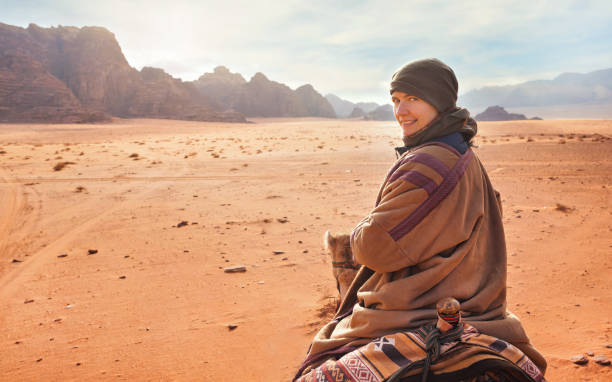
[13,279]
[11,206]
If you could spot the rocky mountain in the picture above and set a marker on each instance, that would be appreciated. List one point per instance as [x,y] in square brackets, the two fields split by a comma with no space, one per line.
[222,86]
[164,96]
[69,74]
[357,113]
[344,108]
[315,103]
[566,89]
[29,93]
[498,113]
[381,113]
[261,97]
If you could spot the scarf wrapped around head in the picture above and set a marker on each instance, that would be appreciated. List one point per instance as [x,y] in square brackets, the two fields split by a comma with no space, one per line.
[434,82]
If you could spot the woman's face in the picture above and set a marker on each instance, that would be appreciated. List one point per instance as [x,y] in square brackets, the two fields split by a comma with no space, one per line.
[412,113]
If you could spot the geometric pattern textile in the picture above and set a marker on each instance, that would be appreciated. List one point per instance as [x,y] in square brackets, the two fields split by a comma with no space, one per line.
[473,357]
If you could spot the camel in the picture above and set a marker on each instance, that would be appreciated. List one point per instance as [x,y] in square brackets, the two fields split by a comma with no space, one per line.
[448,328]
[343,265]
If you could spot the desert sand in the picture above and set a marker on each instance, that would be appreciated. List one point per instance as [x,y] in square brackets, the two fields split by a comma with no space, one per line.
[167,205]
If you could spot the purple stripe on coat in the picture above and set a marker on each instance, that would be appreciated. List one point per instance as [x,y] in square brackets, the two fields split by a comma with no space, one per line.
[426,159]
[443,190]
[431,161]
[419,180]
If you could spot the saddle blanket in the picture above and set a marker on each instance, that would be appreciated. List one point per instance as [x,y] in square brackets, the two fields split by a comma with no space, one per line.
[473,357]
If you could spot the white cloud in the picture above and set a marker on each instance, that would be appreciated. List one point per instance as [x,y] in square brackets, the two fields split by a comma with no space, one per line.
[346,47]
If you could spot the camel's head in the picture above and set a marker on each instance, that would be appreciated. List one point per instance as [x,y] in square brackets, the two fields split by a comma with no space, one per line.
[338,246]
[344,268]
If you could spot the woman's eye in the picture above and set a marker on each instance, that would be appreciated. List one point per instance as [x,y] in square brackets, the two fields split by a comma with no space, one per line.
[413,99]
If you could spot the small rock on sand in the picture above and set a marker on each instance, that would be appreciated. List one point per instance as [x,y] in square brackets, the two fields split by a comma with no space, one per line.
[232,327]
[278,252]
[562,208]
[235,269]
[17,261]
[28,301]
[62,255]
[182,224]
[602,360]
[92,251]
[579,359]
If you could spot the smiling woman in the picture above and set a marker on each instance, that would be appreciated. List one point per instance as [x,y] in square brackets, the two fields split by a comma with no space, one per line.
[435,232]
[424,94]
[412,113]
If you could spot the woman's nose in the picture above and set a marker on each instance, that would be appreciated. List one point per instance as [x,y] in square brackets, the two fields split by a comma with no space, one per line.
[403,107]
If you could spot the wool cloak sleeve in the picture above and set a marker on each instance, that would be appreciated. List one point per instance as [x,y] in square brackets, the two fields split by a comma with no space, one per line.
[425,208]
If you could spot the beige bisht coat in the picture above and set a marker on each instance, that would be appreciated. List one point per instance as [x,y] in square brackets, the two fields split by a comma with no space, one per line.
[436,231]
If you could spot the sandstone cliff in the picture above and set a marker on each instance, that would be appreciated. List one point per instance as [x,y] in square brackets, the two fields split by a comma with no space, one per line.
[261,97]
[164,96]
[222,86]
[70,72]
[28,93]
[315,103]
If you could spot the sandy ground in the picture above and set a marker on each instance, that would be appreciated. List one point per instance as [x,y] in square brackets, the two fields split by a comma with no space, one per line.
[154,302]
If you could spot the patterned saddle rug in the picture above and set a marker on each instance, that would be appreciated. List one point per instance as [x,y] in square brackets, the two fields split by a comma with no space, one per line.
[409,356]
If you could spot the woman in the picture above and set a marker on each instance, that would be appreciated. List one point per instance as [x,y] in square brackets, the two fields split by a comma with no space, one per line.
[435,231]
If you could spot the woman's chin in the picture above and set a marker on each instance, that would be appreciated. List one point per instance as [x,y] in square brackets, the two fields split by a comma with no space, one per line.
[410,132]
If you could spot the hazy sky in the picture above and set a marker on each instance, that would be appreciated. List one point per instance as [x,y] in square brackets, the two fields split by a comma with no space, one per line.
[349,48]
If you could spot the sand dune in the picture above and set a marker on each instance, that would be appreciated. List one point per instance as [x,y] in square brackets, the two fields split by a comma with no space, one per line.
[167,205]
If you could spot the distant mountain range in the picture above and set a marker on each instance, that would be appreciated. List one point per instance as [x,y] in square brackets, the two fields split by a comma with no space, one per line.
[69,74]
[365,110]
[569,95]
[580,93]
[261,97]
[498,113]
[344,108]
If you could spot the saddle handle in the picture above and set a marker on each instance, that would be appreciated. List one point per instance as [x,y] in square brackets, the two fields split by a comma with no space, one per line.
[449,314]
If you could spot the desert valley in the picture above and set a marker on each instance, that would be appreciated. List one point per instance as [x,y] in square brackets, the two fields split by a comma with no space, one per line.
[155,228]
[114,240]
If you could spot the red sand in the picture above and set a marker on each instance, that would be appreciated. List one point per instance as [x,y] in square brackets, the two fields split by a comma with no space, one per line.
[154,303]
